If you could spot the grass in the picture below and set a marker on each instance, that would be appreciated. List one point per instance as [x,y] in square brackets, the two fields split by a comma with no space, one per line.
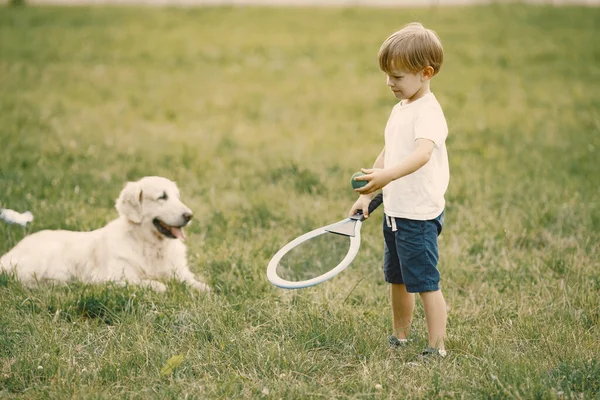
[261,116]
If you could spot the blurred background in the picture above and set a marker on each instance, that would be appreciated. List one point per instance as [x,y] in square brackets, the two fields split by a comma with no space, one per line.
[261,115]
[322,3]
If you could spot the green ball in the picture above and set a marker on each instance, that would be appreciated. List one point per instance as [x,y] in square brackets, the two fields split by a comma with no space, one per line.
[358,184]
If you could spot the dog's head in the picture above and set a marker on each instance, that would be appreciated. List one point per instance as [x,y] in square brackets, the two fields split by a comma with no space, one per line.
[154,201]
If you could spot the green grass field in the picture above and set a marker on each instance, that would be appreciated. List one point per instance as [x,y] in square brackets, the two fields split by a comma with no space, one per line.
[261,116]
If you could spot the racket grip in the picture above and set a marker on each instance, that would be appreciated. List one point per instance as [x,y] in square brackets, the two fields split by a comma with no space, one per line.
[375,202]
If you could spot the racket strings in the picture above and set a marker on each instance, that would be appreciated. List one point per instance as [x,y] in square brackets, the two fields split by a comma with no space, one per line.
[314,257]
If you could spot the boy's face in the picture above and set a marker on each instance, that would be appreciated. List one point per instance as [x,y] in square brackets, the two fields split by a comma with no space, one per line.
[407,85]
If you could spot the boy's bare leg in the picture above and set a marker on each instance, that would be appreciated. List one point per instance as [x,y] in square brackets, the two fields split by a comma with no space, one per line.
[434,306]
[403,305]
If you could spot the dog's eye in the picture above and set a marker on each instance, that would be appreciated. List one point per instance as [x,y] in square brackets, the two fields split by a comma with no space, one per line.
[164,196]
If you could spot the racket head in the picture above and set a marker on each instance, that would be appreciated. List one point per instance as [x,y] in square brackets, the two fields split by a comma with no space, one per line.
[349,228]
[276,277]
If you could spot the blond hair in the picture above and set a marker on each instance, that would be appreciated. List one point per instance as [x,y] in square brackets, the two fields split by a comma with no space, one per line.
[413,48]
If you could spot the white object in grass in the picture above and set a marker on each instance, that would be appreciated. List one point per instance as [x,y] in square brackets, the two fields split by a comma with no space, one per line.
[14,217]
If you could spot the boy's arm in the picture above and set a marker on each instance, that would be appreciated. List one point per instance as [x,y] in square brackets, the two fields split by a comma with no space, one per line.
[379,161]
[378,176]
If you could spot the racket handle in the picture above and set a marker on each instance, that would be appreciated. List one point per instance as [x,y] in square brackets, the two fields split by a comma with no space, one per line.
[375,202]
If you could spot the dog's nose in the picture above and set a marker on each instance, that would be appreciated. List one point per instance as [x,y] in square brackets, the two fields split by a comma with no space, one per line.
[187,216]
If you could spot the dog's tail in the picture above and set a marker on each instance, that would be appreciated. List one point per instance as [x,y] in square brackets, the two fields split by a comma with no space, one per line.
[14,217]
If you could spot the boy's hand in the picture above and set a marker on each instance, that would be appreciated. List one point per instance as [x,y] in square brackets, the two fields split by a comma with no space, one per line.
[361,204]
[377,178]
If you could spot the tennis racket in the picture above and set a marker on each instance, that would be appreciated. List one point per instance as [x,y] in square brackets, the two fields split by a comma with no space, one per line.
[320,254]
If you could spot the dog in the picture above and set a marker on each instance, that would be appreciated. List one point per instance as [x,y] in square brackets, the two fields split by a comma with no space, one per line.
[141,247]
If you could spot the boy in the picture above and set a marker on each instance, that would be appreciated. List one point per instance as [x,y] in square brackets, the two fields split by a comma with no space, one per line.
[413,171]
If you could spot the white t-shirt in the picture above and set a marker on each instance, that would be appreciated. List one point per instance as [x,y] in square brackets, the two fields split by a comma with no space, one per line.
[420,195]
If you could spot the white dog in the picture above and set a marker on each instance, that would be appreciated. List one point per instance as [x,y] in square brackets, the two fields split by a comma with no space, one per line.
[140,247]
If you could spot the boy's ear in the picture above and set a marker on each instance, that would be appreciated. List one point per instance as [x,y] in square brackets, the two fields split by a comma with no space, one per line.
[427,73]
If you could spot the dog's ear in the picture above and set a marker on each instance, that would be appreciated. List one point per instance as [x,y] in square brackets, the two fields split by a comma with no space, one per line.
[129,203]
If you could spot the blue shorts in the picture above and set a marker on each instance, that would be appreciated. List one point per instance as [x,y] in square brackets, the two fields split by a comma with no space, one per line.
[411,253]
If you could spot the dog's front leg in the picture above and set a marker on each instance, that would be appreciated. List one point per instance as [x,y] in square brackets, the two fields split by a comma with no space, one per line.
[154,285]
[199,286]
[148,283]
[186,276]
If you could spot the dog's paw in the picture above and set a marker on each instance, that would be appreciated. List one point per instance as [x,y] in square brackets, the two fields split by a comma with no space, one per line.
[157,286]
[201,287]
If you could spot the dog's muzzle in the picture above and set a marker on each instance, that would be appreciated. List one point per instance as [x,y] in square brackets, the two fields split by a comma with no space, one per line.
[172,232]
